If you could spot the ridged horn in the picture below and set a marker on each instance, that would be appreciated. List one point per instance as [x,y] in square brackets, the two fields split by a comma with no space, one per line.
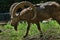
[11,8]
[35,14]
[21,5]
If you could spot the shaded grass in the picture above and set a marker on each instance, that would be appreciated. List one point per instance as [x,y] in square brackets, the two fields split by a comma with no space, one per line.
[10,34]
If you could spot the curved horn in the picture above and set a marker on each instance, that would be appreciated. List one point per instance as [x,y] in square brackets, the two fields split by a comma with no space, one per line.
[35,14]
[11,8]
[21,5]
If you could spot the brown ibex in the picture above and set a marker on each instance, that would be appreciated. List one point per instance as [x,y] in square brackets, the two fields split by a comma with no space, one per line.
[35,14]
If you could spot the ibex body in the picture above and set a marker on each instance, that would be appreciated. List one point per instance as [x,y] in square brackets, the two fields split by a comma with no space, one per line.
[35,14]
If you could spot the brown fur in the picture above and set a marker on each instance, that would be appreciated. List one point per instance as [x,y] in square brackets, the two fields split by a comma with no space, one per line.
[50,11]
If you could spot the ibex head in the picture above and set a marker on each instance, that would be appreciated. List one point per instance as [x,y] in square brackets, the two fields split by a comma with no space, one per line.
[14,16]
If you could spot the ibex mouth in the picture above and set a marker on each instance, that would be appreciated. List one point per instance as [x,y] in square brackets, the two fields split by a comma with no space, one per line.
[14,25]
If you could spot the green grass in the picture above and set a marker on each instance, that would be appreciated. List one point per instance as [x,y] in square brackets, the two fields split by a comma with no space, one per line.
[10,34]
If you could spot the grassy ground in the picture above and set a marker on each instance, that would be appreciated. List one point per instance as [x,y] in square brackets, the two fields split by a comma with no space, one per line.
[51,30]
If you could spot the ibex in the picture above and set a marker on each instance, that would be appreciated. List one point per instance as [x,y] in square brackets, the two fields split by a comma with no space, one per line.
[35,14]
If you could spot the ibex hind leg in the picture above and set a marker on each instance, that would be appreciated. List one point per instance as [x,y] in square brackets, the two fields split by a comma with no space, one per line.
[39,28]
[27,30]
